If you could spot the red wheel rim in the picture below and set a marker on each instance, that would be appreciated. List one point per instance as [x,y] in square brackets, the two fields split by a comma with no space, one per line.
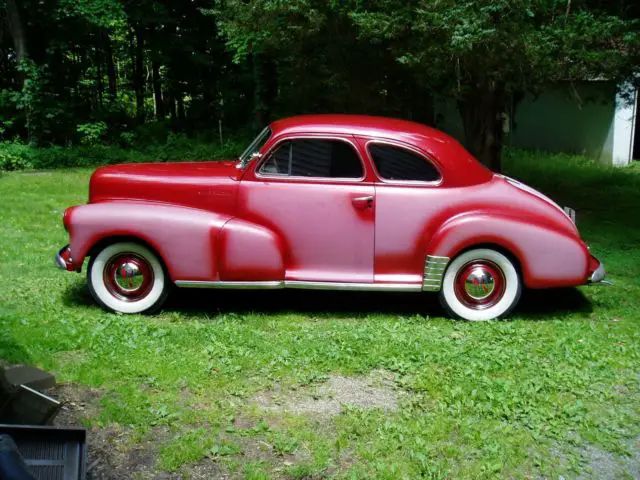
[128,277]
[480,284]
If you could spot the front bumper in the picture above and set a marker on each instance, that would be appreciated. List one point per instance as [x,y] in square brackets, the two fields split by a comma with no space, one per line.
[63,259]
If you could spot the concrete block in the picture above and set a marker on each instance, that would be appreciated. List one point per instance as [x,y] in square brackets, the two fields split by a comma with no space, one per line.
[30,376]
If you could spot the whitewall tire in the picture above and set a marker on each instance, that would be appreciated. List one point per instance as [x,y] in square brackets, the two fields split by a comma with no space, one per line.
[480,284]
[127,277]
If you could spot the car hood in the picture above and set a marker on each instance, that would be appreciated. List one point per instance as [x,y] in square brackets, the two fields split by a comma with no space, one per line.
[194,184]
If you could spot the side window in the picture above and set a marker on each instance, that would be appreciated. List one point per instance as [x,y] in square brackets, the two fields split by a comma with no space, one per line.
[396,163]
[279,162]
[314,158]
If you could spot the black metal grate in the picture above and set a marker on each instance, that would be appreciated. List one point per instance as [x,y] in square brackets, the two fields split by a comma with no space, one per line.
[51,453]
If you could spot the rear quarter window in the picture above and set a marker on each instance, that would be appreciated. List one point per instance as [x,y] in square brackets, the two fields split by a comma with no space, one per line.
[397,163]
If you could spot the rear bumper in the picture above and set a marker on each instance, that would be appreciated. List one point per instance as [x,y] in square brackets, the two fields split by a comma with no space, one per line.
[597,275]
[63,259]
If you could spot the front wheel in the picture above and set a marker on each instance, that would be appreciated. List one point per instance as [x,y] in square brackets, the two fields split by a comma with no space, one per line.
[127,277]
[480,284]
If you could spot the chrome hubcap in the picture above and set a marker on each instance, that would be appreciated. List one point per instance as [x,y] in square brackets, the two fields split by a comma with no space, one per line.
[479,284]
[128,276]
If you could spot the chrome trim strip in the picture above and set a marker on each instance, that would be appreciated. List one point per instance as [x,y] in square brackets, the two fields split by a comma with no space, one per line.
[434,268]
[571,213]
[411,148]
[389,287]
[246,285]
[348,139]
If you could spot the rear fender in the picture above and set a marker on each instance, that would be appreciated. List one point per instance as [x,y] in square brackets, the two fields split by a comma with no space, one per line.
[547,257]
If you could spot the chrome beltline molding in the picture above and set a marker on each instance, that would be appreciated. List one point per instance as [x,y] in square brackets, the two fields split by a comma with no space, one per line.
[248,285]
[390,287]
[434,268]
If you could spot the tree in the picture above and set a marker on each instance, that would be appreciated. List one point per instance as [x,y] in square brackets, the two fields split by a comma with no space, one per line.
[16,29]
[484,52]
[306,57]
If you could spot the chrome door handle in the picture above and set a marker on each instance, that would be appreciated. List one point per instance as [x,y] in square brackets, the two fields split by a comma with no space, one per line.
[362,202]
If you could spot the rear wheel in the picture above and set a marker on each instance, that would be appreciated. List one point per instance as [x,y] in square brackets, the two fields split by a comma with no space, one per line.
[127,277]
[480,284]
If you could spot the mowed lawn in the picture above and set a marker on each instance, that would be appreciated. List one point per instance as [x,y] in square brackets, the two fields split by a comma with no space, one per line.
[224,383]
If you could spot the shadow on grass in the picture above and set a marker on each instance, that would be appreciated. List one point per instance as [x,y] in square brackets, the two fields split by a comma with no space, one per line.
[554,302]
[11,351]
[77,294]
[534,304]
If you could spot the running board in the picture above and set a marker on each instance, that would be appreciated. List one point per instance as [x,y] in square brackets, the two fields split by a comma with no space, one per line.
[273,285]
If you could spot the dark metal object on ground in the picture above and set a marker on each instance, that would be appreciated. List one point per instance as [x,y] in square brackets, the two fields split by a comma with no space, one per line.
[30,376]
[29,407]
[12,465]
[24,405]
[49,452]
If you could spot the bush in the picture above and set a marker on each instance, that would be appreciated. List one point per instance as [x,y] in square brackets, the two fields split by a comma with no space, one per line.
[92,133]
[15,156]
[177,147]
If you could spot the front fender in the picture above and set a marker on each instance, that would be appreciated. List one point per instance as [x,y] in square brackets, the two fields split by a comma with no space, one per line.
[250,252]
[184,237]
[547,257]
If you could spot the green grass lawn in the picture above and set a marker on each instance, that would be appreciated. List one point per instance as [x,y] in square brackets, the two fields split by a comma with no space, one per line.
[553,391]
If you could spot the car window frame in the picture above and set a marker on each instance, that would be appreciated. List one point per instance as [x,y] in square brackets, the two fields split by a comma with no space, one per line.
[410,148]
[281,177]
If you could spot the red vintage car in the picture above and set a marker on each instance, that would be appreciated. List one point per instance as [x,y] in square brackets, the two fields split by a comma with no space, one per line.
[326,202]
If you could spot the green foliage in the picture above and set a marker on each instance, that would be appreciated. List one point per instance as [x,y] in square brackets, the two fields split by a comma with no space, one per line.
[486,54]
[526,398]
[185,448]
[177,148]
[92,133]
[125,73]
[511,46]
[102,13]
[15,156]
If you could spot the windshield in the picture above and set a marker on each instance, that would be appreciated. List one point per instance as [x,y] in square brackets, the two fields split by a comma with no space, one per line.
[255,146]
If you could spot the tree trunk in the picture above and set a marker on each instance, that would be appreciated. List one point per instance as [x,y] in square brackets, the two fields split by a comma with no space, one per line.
[138,79]
[157,89]
[16,29]
[171,102]
[264,88]
[111,66]
[481,113]
[180,102]
[99,82]
[18,34]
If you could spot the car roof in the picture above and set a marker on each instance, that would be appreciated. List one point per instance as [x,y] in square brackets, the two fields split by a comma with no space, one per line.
[362,125]
[458,167]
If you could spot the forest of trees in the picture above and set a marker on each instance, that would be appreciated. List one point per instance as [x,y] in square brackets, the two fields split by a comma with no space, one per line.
[131,71]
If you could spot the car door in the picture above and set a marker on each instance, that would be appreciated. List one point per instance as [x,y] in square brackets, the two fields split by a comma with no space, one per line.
[312,192]
[408,201]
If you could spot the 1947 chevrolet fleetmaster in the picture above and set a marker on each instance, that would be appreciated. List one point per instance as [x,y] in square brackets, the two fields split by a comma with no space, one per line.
[326,202]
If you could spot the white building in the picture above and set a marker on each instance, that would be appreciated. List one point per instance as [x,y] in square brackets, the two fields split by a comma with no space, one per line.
[588,118]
